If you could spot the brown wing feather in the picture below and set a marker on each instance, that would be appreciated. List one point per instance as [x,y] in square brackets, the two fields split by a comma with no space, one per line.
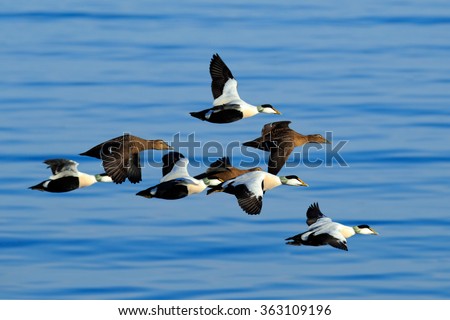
[115,168]
[278,156]
[223,162]
[274,126]
[134,172]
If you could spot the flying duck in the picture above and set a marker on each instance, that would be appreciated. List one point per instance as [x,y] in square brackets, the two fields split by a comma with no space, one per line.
[66,177]
[227,105]
[250,187]
[223,170]
[177,184]
[280,141]
[120,156]
[322,231]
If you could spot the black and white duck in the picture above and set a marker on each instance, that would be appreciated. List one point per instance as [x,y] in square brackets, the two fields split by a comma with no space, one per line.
[177,183]
[228,106]
[66,177]
[322,231]
[250,187]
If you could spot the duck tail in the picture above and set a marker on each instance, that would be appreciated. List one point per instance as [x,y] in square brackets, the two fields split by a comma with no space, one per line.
[295,240]
[199,115]
[39,187]
[94,152]
[146,193]
[253,144]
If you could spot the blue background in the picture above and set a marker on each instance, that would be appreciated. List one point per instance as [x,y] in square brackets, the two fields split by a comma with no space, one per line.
[375,73]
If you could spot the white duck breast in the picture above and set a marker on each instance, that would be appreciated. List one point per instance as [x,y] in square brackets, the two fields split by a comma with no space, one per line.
[194,186]
[270,181]
[86,180]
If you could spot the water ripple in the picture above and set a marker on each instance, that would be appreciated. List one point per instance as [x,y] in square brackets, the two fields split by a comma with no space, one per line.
[47,16]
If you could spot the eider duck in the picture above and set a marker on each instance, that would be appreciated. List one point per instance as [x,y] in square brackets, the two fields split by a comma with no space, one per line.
[223,170]
[322,231]
[120,156]
[177,184]
[66,177]
[280,141]
[250,187]
[227,106]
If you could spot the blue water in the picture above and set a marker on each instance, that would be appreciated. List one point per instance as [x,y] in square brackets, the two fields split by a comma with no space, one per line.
[375,74]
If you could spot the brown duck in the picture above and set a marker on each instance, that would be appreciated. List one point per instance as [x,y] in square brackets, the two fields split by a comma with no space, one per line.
[280,141]
[224,171]
[120,156]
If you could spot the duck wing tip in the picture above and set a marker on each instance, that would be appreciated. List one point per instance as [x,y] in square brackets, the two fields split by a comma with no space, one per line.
[313,214]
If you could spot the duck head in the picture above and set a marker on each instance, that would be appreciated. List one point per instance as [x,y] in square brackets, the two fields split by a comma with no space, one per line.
[103,177]
[317,138]
[267,108]
[161,145]
[293,181]
[364,229]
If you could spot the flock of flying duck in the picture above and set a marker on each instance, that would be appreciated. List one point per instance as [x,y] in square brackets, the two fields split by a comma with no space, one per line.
[121,160]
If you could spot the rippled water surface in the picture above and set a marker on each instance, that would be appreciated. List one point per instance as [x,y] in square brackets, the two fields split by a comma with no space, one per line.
[374,74]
